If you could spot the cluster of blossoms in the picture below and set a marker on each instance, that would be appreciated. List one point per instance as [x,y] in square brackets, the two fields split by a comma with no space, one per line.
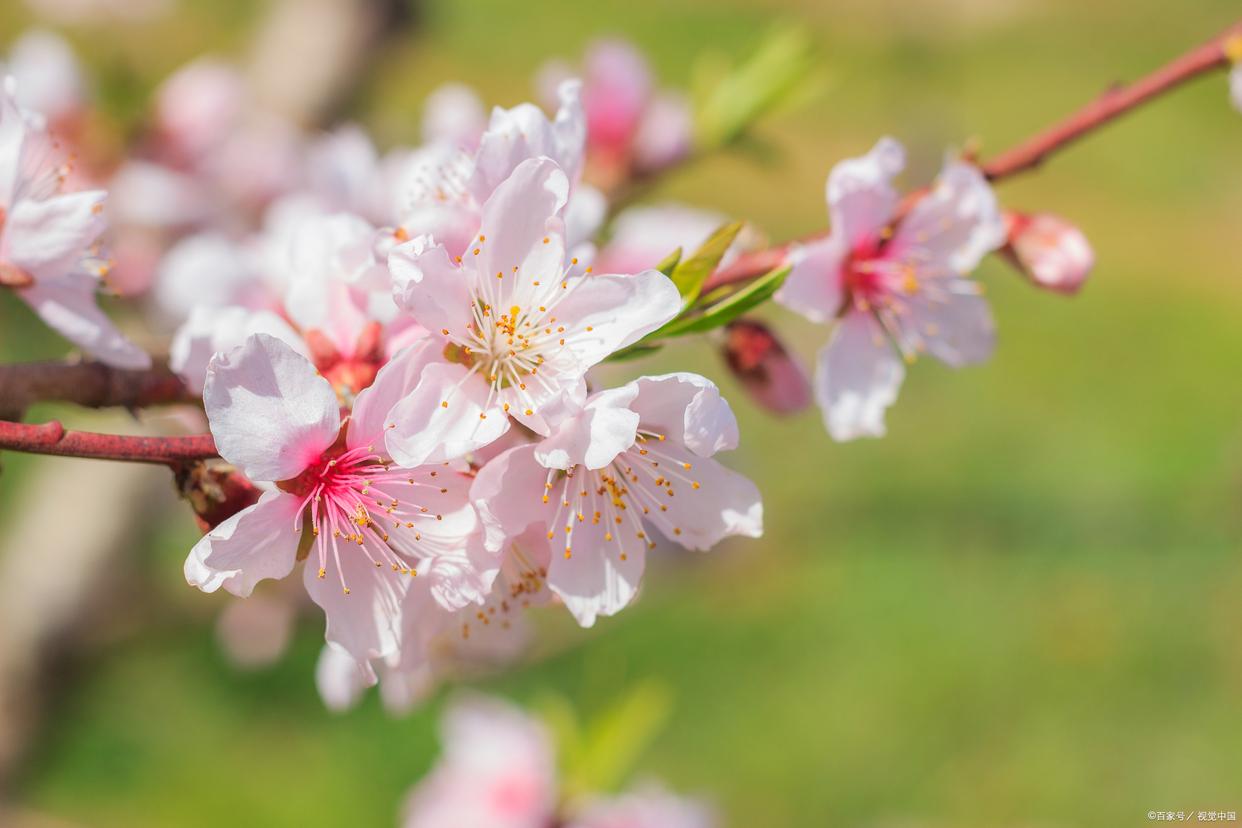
[499,771]
[398,351]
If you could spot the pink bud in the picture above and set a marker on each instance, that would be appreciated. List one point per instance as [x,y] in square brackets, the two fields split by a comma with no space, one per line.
[772,376]
[1050,251]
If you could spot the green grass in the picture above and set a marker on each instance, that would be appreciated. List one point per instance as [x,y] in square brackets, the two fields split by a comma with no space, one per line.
[1018,609]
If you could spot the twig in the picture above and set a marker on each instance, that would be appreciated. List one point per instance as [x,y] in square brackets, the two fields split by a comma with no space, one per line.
[53,438]
[86,383]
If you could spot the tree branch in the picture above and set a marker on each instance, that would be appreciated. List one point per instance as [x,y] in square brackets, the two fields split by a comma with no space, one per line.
[86,383]
[1213,55]
[53,438]
[1216,54]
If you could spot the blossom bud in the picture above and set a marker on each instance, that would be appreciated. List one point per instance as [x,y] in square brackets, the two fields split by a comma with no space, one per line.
[1049,251]
[772,376]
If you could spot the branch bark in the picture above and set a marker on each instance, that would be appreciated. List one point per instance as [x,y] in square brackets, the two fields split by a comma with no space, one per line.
[53,438]
[87,383]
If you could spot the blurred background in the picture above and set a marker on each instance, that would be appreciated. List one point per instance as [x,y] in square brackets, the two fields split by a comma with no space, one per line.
[1021,608]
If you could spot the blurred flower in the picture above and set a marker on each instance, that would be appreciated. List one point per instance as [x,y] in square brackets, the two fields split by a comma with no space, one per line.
[498,770]
[519,325]
[643,236]
[368,524]
[774,377]
[49,79]
[1233,51]
[606,472]
[48,252]
[893,292]
[631,129]
[255,633]
[453,114]
[1049,251]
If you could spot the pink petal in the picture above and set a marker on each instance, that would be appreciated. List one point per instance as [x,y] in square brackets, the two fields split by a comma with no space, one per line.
[366,620]
[272,415]
[861,197]
[48,239]
[813,287]
[857,377]
[68,306]
[447,415]
[688,410]
[260,541]
[594,436]
[398,377]
[428,285]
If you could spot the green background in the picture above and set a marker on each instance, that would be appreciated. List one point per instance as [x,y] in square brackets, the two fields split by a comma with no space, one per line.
[1021,608]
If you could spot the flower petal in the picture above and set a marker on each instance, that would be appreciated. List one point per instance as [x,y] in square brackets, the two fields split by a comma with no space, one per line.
[813,286]
[609,312]
[688,410]
[857,377]
[955,225]
[430,287]
[597,580]
[724,504]
[68,306]
[272,415]
[604,428]
[955,327]
[48,239]
[341,679]
[861,197]
[398,377]
[260,541]
[211,330]
[517,217]
[362,603]
[448,414]
[506,492]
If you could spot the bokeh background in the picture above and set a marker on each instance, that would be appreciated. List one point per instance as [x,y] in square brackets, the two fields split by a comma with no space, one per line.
[1021,608]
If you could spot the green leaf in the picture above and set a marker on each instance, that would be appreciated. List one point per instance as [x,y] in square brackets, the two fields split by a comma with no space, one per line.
[767,79]
[729,308]
[635,351]
[611,745]
[670,262]
[690,274]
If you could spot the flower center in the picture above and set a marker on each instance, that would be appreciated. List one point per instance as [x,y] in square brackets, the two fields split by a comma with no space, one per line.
[352,498]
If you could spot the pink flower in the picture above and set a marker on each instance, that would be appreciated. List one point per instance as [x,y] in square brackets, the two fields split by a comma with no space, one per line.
[630,127]
[48,252]
[498,771]
[49,79]
[893,293]
[369,525]
[517,324]
[1050,251]
[454,115]
[631,459]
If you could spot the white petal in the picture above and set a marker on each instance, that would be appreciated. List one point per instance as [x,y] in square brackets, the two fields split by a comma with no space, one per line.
[605,313]
[430,287]
[366,620]
[955,225]
[271,414]
[861,197]
[49,239]
[213,330]
[507,492]
[445,416]
[398,377]
[687,409]
[857,377]
[725,504]
[260,541]
[340,679]
[519,215]
[813,286]
[956,328]
[600,579]
[67,305]
[594,436]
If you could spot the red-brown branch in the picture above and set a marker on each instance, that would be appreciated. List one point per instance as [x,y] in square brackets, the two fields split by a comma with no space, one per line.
[86,383]
[54,438]
[1113,104]
[1211,56]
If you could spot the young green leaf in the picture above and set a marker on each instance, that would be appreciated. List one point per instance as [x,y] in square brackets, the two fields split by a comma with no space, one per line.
[690,274]
[729,308]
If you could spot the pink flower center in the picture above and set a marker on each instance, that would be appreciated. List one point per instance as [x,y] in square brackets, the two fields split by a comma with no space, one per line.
[354,499]
[873,275]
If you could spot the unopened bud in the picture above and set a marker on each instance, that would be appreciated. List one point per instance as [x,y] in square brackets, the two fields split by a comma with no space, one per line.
[772,375]
[1049,251]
